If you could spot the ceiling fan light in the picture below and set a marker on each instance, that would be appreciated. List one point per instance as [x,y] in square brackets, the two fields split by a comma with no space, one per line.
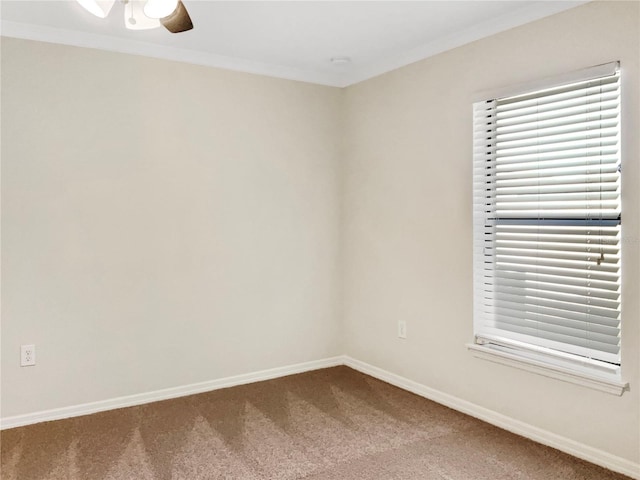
[135,19]
[100,8]
[160,8]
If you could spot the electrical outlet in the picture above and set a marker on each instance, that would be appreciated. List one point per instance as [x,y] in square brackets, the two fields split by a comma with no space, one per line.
[402,329]
[27,355]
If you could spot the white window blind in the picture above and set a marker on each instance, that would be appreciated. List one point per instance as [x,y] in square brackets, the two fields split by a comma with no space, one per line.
[547,219]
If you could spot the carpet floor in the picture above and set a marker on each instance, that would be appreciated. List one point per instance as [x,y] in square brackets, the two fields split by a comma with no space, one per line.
[331,424]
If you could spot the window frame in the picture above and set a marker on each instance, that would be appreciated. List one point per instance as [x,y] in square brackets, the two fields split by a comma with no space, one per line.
[555,364]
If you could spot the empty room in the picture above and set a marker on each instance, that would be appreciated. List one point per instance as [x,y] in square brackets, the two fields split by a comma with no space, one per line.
[320,240]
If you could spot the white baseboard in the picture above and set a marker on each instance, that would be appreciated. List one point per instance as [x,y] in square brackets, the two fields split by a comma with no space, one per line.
[590,454]
[165,394]
[593,455]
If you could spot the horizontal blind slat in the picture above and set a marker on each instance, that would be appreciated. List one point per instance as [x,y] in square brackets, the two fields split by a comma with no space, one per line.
[533,283]
[567,121]
[585,248]
[509,260]
[577,329]
[599,151]
[585,109]
[502,165]
[554,188]
[534,295]
[539,108]
[559,271]
[546,197]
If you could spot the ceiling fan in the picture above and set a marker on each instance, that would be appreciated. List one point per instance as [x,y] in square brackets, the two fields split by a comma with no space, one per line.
[145,14]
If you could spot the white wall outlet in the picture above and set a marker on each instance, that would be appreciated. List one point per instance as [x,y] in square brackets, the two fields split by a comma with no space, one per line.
[402,329]
[27,355]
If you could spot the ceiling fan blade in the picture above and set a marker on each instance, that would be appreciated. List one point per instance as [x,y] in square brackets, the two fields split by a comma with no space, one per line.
[178,21]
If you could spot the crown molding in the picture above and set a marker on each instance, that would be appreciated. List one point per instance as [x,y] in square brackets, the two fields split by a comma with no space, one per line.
[341,78]
[134,47]
[496,25]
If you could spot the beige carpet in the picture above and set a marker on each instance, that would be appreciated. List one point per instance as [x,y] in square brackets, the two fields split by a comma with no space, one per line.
[333,424]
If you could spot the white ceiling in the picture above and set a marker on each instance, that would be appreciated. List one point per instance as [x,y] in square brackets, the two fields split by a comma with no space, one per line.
[294,39]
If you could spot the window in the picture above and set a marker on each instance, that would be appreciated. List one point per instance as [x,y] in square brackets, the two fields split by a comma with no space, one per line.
[547,224]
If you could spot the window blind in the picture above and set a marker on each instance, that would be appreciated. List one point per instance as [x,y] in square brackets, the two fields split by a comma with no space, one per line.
[547,219]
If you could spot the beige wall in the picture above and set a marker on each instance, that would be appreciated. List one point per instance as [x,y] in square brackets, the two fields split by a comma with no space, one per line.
[163,224]
[408,228]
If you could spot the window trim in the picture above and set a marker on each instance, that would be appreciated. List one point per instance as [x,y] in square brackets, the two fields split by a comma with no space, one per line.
[550,367]
[596,375]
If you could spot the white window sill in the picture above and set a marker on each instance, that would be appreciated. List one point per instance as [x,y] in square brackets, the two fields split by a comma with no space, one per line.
[549,369]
